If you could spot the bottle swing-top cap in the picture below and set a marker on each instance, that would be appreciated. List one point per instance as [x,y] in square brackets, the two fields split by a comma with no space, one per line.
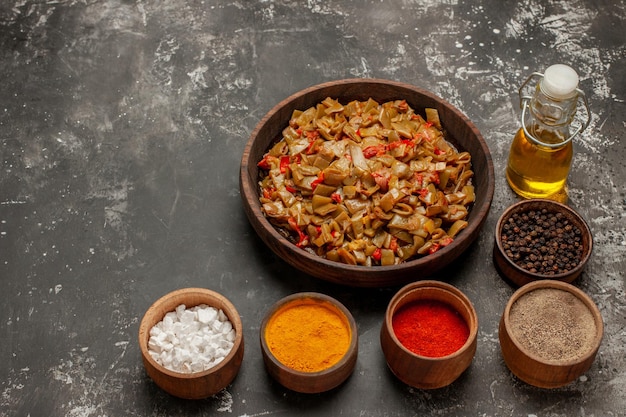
[559,81]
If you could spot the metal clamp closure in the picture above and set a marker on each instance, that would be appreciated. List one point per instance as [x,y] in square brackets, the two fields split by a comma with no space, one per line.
[525,99]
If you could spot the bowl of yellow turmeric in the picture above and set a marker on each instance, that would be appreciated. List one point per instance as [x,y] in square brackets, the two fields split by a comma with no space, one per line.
[309,342]
[366,182]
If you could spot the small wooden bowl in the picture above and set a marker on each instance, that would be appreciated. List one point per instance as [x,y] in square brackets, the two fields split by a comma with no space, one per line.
[311,382]
[460,131]
[196,385]
[421,371]
[533,368]
[520,276]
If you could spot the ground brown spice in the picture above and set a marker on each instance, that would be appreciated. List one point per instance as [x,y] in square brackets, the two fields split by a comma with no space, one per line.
[553,324]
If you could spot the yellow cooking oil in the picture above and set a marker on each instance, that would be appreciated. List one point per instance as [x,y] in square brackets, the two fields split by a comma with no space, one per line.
[538,171]
[541,153]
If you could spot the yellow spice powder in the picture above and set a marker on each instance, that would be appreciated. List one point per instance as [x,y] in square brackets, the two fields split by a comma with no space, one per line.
[308,335]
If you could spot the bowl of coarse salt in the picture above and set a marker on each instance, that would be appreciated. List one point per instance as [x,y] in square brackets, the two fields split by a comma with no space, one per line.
[191,342]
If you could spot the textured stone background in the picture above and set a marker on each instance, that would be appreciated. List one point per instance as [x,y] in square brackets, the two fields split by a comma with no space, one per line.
[122,124]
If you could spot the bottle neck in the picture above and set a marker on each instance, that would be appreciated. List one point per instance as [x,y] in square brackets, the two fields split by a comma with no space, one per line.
[549,118]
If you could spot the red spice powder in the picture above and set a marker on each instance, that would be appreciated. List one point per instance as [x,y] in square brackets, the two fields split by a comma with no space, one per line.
[430,328]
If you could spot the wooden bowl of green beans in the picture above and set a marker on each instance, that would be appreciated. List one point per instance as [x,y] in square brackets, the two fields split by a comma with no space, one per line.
[364,265]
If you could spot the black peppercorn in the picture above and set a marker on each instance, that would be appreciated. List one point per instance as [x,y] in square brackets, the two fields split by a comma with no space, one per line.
[542,242]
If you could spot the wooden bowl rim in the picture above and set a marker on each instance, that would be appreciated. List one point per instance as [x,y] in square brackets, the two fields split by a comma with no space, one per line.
[443,287]
[230,311]
[526,205]
[337,367]
[414,264]
[564,286]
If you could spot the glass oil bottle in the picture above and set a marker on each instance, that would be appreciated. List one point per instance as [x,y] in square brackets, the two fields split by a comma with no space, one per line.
[541,152]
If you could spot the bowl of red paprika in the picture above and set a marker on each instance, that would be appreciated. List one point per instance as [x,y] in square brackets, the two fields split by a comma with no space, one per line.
[429,334]
[309,342]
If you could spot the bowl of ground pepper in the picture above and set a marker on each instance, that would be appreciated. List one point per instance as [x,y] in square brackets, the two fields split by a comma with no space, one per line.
[309,342]
[429,334]
[541,239]
[550,333]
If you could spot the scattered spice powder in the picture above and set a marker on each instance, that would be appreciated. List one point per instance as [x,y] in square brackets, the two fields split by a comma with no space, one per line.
[308,335]
[430,328]
[553,324]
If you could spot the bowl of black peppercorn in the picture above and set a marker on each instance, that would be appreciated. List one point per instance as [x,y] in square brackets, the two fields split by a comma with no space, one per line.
[541,239]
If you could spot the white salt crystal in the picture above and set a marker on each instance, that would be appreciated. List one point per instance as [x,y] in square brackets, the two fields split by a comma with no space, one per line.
[196,341]
[166,359]
[187,317]
[231,335]
[184,355]
[154,345]
[209,351]
[155,331]
[191,340]
[207,315]
[168,320]
[222,316]
[227,327]
[197,367]
[177,327]
[217,326]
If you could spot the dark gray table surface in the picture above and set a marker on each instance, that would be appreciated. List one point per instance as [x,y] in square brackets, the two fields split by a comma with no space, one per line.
[122,125]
